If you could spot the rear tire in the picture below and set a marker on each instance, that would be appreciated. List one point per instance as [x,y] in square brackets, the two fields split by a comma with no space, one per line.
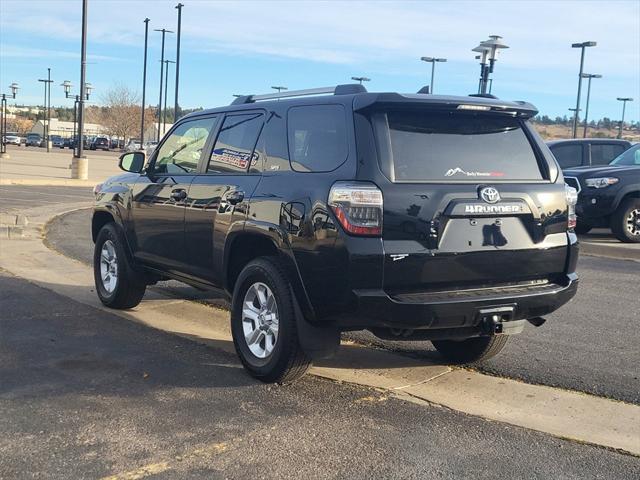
[624,222]
[118,285]
[471,350]
[263,299]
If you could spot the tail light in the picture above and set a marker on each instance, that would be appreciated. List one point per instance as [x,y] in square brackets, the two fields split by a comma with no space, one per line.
[358,207]
[572,199]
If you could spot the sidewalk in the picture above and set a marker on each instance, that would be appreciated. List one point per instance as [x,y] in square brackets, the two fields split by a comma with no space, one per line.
[36,166]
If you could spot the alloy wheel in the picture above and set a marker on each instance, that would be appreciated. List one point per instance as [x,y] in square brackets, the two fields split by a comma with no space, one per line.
[260,320]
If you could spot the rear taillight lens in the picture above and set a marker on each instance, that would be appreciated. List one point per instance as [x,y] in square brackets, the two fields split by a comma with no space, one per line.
[572,199]
[358,207]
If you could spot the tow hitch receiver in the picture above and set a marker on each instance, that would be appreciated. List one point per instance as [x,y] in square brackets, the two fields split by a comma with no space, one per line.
[499,321]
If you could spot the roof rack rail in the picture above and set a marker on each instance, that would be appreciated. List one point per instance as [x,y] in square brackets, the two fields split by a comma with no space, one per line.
[345,89]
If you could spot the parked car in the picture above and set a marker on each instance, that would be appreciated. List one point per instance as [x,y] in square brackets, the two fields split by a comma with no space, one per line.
[418,217]
[100,143]
[609,196]
[133,145]
[586,152]
[12,140]
[34,140]
[57,141]
[149,147]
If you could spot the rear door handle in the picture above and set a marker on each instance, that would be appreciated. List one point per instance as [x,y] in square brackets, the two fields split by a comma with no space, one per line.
[235,197]
[178,194]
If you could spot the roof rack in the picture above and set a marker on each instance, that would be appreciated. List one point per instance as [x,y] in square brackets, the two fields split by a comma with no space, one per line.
[345,89]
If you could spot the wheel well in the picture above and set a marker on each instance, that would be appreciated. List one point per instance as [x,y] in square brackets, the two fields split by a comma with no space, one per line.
[243,250]
[99,220]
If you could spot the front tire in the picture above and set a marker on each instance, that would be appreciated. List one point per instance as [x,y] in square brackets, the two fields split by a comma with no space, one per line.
[118,285]
[582,228]
[471,350]
[263,324]
[625,222]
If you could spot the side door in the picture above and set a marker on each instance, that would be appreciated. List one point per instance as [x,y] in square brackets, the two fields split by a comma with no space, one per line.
[219,196]
[159,196]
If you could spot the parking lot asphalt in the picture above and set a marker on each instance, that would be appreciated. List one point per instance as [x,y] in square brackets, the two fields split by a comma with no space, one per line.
[14,198]
[84,394]
[589,345]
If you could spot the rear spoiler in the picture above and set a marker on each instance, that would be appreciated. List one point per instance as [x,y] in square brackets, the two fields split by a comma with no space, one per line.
[442,102]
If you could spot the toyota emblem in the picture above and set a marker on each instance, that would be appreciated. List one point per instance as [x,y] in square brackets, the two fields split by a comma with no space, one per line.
[489,195]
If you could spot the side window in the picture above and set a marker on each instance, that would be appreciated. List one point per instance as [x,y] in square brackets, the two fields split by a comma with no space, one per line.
[234,148]
[317,137]
[603,153]
[181,151]
[568,155]
[274,135]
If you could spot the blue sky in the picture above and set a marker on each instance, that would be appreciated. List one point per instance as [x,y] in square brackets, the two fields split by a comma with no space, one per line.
[246,47]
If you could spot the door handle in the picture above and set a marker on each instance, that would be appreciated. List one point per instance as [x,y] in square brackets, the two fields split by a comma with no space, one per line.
[235,197]
[178,194]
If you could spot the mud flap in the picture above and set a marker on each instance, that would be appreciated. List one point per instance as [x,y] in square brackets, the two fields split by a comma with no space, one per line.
[317,342]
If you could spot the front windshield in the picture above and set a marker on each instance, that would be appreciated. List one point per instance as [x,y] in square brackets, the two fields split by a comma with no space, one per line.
[630,157]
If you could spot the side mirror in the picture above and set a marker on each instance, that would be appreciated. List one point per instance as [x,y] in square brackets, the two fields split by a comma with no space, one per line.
[132,162]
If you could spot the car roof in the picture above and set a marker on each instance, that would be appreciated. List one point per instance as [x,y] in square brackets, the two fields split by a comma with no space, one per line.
[362,99]
[588,140]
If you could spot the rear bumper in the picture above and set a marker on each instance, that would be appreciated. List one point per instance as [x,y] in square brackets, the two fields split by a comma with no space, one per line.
[460,308]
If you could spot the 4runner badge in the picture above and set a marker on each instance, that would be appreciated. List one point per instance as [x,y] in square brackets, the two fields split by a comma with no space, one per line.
[489,195]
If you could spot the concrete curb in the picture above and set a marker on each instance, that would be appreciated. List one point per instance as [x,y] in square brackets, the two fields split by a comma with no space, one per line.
[49,182]
[621,252]
[562,413]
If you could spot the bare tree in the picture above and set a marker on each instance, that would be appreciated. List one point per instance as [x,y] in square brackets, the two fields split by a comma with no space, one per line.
[120,115]
[20,124]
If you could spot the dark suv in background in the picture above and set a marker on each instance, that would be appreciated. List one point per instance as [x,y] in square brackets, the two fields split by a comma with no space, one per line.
[415,216]
[587,152]
[609,196]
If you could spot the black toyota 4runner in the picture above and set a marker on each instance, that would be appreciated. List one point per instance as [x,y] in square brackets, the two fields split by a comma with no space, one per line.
[320,211]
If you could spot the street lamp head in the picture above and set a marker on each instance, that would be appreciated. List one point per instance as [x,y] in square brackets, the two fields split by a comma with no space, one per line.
[88,88]
[361,79]
[494,43]
[625,99]
[583,44]
[591,75]
[66,85]
[14,89]
[441,59]
[427,59]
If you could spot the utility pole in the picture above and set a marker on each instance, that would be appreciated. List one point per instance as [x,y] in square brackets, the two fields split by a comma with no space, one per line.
[588,76]
[166,85]
[582,46]
[144,81]
[46,108]
[175,108]
[624,101]
[432,61]
[79,163]
[164,32]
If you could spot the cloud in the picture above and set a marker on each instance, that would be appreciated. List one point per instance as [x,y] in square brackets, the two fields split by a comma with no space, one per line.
[16,51]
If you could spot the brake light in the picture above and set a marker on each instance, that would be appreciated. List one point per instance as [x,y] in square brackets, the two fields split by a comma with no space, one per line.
[572,199]
[358,207]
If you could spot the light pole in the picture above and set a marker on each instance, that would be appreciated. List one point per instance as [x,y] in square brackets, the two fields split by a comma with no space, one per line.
[589,76]
[3,120]
[175,108]
[144,80]
[361,79]
[79,163]
[581,46]
[624,101]
[164,32]
[488,50]
[46,119]
[432,61]
[166,84]
[66,85]
[279,89]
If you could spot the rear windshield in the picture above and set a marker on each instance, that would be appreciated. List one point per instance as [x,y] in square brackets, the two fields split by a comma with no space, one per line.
[458,146]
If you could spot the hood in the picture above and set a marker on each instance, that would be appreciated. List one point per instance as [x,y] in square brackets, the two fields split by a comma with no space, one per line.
[601,171]
[122,178]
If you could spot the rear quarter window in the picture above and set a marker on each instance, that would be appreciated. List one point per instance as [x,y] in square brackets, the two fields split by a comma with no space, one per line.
[436,146]
[317,137]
